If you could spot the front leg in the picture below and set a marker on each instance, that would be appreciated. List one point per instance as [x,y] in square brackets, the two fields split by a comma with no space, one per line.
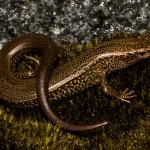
[123,96]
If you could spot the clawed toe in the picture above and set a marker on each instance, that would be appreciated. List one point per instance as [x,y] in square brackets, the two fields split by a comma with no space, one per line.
[127,94]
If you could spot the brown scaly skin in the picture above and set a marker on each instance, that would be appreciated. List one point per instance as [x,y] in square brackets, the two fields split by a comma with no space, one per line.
[90,68]
[70,78]
[20,90]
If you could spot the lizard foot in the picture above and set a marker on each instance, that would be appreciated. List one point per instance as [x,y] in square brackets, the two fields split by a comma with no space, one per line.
[125,95]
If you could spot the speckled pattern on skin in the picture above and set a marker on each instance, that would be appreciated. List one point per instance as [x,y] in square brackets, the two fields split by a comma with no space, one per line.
[93,66]
[88,69]
[13,89]
[67,79]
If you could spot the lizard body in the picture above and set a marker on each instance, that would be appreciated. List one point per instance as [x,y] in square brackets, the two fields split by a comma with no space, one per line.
[93,66]
[20,90]
[90,68]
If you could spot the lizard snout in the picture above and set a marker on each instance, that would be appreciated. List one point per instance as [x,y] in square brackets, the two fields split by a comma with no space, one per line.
[145,54]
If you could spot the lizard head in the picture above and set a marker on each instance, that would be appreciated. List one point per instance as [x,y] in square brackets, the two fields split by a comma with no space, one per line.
[139,54]
[130,57]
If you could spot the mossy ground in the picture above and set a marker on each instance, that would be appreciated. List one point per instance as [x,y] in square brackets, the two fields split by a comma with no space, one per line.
[129,126]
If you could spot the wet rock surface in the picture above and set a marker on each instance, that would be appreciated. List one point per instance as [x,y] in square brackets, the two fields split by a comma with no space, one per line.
[74,21]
